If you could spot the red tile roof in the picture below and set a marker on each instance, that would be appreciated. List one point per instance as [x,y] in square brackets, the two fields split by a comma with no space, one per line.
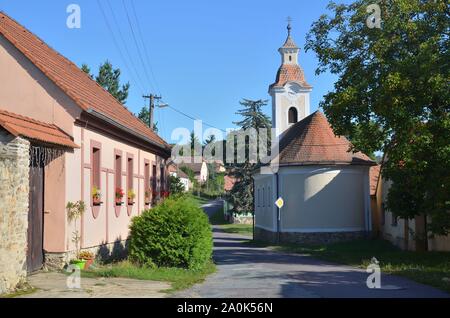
[312,141]
[374,175]
[18,125]
[72,80]
[289,43]
[290,73]
[229,182]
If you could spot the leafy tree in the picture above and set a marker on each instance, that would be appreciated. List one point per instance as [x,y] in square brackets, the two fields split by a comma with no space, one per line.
[241,195]
[144,116]
[392,95]
[195,143]
[175,185]
[85,68]
[109,79]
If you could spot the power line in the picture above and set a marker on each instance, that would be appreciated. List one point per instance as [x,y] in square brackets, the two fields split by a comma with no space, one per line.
[117,44]
[145,46]
[193,118]
[125,46]
[144,66]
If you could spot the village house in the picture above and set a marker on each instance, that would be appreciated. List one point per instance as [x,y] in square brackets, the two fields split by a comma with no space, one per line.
[200,170]
[325,187]
[63,139]
[400,232]
[175,171]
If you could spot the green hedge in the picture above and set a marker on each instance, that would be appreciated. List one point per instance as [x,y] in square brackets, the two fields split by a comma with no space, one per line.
[175,233]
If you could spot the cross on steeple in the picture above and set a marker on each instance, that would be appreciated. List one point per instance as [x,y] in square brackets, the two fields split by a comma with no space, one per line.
[289,20]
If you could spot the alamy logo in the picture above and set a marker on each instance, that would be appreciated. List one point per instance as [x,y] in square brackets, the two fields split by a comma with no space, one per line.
[374,19]
[74,279]
[74,19]
[374,279]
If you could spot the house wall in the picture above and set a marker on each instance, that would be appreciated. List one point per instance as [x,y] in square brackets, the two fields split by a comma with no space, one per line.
[26,91]
[264,201]
[321,204]
[14,191]
[402,234]
[321,199]
[111,224]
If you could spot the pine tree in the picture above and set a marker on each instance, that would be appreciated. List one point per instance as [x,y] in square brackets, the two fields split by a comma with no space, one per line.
[144,116]
[109,79]
[241,195]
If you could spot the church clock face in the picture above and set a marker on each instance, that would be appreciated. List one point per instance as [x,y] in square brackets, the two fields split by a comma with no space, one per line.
[293,90]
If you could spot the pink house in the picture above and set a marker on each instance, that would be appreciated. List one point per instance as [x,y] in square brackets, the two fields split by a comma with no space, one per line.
[61,137]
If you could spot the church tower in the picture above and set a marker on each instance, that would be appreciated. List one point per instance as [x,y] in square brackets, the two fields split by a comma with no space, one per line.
[290,92]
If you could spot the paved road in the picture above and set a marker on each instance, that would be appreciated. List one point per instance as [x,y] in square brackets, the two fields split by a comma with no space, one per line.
[252,272]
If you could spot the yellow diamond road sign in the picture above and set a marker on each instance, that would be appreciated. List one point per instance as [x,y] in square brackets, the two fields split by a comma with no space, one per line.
[279,203]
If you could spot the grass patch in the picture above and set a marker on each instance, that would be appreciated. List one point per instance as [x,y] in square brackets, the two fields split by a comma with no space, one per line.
[178,277]
[430,268]
[21,290]
[244,229]
[199,199]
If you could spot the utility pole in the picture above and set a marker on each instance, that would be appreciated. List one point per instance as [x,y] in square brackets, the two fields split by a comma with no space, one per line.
[152,99]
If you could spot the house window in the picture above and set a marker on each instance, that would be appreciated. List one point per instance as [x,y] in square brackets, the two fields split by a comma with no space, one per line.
[130,174]
[290,58]
[292,115]
[154,178]
[147,176]
[118,171]
[258,198]
[96,167]
[162,179]
[263,198]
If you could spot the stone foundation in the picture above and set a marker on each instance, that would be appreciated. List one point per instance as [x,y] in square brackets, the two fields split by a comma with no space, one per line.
[308,238]
[14,190]
[104,253]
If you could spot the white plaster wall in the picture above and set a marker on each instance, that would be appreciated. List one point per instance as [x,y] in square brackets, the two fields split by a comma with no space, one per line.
[323,199]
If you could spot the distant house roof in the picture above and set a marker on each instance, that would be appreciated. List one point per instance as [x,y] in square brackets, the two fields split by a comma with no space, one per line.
[374,175]
[312,141]
[18,125]
[86,93]
[229,182]
[196,167]
[172,167]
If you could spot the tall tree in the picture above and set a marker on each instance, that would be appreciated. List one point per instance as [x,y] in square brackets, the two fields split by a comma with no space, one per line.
[195,143]
[144,115]
[241,195]
[109,79]
[392,95]
[85,68]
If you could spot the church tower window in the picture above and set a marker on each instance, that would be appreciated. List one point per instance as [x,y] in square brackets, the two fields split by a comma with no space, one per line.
[292,115]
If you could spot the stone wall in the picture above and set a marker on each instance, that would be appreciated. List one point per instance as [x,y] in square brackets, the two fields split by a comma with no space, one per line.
[14,191]
[117,250]
[308,238]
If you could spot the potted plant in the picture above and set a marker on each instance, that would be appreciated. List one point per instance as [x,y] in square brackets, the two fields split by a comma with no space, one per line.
[96,196]
[88,257]
[119,196]
[74,212]
[148,196]
[131,195]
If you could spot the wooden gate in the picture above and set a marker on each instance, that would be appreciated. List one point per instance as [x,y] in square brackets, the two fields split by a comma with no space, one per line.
[35,257]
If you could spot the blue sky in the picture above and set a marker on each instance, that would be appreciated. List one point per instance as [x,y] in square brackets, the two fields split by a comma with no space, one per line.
[205,55]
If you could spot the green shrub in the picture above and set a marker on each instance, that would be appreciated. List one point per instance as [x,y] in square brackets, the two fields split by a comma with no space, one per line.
[175,233]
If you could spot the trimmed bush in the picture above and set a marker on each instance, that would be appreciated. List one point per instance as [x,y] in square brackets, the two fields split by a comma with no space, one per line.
[175,233]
